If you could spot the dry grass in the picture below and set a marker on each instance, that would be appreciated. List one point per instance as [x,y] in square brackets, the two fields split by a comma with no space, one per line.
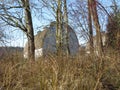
[61,73]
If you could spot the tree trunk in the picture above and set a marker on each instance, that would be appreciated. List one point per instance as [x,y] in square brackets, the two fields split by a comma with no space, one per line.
[59,27]
[30,31]
[97,26]
[65,33]
[91,47]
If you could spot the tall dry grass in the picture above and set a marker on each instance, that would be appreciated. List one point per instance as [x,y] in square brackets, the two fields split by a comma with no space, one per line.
[61,73]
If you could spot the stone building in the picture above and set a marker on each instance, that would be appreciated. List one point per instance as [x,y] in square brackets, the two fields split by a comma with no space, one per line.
[45,41]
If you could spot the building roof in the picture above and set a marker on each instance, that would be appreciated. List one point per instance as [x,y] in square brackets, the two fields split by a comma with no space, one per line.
[48,37]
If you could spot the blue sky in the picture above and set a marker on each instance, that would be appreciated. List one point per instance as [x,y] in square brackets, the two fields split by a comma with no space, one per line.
[18,38]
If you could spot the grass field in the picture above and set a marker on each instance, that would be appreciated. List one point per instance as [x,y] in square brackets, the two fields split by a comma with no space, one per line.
[61,73]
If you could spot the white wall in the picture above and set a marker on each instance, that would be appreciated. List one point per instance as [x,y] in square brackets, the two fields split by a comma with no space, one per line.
[38,53]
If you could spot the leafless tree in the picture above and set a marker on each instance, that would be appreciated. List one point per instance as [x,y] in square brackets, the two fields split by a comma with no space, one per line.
[29,29]
[59,26]
[59,11]
[90,28]
[93,6]
[18,14]
[78,17]
[65,18]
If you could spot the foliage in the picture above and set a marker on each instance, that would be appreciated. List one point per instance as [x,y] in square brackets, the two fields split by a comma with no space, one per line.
[113,31]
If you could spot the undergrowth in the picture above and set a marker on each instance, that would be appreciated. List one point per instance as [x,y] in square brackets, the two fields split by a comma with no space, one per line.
[61,73]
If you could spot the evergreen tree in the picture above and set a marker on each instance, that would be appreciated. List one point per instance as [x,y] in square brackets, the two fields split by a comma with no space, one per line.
[113,30]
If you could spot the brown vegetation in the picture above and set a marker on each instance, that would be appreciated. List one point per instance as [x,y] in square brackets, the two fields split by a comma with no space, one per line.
[61,73]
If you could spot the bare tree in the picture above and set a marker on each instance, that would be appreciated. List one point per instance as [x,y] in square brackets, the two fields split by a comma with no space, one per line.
[59,11]
[65,17]
[59,26]
[12,14]
[29,31]
[90,28]
[94,14]
[78,16]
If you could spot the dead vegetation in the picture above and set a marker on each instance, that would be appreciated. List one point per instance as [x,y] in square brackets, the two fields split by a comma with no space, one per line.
[61,73]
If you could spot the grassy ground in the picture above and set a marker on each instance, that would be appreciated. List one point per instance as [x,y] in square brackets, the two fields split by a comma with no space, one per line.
[60,73]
